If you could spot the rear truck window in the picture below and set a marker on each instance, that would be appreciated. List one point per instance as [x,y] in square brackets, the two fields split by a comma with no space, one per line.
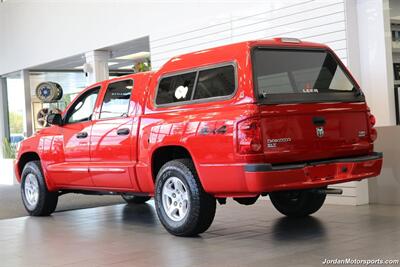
[301,76]
[176,88]
[205,84]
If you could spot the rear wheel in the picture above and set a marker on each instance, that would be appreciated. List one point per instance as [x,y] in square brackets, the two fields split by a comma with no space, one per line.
[38,201]
[131,199]
[181,203]
[297,203]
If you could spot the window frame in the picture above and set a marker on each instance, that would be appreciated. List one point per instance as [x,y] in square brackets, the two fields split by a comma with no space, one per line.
[78,98]
[291,98]
[105,92]
[197,71]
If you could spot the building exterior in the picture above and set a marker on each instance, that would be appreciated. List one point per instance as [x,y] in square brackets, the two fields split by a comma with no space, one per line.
[80,42]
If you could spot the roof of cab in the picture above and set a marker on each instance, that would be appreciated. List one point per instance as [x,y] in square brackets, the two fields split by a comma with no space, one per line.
[230,52]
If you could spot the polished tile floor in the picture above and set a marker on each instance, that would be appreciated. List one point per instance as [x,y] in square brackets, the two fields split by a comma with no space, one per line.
[123,235]
[11,204]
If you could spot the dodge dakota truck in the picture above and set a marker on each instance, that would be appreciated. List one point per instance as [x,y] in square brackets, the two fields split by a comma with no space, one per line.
[280,117]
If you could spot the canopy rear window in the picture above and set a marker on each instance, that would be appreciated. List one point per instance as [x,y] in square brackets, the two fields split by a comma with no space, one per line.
[292,75]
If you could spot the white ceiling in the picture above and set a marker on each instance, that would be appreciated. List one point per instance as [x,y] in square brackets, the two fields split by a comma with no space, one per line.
[117,50]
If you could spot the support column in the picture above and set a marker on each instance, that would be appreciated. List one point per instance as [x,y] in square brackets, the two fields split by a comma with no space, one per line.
[96,67]
[369,59]
[4,124]
[28,116]
[376,61]
[376,69]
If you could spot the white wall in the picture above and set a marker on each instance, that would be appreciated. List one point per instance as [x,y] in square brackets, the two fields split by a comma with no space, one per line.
[319,21]
[35,32]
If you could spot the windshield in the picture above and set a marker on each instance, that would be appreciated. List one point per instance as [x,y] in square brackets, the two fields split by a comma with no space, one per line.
[289,75]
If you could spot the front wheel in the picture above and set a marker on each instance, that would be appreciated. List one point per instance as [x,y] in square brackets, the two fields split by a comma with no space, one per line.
[182,206]
[297,203]
[38,201]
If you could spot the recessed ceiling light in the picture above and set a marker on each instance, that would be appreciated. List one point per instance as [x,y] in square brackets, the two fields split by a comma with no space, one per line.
[138,55]
[109,64]
[126,67]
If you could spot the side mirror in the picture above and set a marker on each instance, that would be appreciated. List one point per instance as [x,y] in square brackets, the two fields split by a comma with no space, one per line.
[54,119]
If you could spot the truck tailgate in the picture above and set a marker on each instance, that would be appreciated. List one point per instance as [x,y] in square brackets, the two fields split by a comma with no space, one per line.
[304,132]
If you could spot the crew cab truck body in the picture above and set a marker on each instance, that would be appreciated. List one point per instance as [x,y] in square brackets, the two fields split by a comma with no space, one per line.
[279,117]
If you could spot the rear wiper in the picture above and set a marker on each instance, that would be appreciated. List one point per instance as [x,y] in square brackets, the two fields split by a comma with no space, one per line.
[358,92]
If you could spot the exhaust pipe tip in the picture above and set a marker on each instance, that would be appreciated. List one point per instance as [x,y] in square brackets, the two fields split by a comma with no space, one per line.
[330,191]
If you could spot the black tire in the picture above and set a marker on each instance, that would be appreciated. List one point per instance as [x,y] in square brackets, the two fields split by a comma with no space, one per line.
[201,206]
[59,94]
[46,201]
[297,203]
[131,199]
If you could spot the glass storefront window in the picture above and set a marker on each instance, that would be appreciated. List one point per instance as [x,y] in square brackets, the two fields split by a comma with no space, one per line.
[16,108]
[72,84]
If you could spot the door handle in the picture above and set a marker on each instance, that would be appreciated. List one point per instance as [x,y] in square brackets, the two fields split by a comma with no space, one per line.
[123,131]
[82,135]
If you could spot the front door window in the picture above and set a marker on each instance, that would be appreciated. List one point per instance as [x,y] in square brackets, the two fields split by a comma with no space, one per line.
[82,109]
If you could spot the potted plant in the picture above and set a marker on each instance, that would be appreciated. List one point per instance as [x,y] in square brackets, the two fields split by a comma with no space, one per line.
[7,163]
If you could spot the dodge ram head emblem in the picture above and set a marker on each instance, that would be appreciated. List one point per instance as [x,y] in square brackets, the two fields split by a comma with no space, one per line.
[320,131]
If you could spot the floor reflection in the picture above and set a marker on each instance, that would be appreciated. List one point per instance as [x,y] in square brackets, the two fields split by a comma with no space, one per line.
[290,229]
[139,214]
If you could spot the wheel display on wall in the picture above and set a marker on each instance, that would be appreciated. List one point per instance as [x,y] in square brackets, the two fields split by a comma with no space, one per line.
[49,92]
[41,117]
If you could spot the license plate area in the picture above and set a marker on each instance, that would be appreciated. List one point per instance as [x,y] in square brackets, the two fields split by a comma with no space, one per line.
[328,172]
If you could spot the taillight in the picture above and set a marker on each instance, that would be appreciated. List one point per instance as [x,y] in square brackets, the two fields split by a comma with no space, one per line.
[372,132]
[372,120]
[249,137]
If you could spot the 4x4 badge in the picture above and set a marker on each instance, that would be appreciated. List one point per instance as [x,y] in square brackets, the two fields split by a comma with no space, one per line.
[320,131]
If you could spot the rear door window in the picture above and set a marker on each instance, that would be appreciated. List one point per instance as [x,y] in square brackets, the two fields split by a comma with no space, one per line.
[116,100]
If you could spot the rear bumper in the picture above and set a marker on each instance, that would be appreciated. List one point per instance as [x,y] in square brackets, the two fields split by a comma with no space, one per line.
[268,178]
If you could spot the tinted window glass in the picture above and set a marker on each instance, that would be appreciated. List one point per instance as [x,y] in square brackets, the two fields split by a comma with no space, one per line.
[82,109]
[116,99]
[215,82]
[175,89]
[298,72]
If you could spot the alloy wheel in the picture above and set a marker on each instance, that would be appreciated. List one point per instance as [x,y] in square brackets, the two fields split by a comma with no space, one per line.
[175,199]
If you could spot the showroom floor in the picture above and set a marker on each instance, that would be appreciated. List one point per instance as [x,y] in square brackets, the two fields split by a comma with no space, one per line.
[11,204]
[123,235]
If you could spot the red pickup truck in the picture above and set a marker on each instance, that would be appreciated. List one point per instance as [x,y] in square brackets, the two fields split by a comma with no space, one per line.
[279,117]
